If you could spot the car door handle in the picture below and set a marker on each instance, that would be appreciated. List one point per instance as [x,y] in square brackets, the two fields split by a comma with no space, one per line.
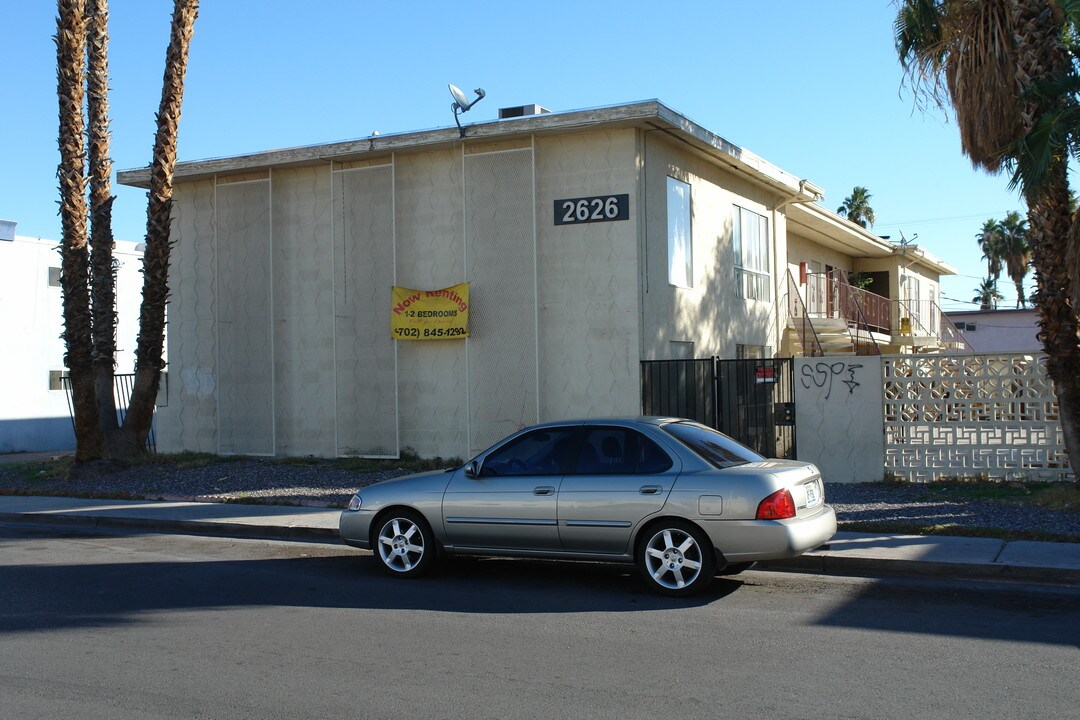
[649,489]
[544,490]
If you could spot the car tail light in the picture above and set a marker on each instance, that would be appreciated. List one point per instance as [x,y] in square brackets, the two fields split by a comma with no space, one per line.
[777,506]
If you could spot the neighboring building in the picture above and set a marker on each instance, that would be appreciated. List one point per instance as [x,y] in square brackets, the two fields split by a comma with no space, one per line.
[999,330]
[591,240]
[34,411]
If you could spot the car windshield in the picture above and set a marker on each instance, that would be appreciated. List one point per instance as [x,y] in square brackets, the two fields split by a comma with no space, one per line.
[714,447]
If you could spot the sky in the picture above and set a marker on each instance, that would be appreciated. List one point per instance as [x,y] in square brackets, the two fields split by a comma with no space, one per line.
[813,88]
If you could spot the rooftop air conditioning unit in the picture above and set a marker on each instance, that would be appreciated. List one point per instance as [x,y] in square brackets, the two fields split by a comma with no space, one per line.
[521,111]
[7,230]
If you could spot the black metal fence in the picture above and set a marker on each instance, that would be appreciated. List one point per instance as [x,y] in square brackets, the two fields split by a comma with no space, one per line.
[753,401]
[122,388]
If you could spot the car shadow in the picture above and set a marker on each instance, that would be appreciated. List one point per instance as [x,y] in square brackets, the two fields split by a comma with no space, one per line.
[50,597]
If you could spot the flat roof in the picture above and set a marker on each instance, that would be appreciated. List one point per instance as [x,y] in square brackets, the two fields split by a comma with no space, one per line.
[999,311]
[800,196]
[646,113]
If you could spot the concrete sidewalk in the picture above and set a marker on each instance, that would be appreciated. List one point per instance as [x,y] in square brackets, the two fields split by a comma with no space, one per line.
[847,554]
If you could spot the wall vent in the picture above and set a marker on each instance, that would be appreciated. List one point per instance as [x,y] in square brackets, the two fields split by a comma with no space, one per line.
[521,111]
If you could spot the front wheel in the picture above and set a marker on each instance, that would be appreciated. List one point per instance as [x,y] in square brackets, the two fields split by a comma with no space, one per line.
[676,558]
[404,544]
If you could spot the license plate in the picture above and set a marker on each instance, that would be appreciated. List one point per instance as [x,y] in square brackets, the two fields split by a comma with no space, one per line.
[812,495]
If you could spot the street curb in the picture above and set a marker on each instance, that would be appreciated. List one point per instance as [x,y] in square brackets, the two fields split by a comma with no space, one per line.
[182,527]
[877,567]
[820,563]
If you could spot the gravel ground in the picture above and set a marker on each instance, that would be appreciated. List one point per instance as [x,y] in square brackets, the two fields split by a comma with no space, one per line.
[325,483]
[909,504]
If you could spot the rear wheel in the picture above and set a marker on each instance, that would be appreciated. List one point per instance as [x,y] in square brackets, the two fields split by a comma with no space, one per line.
[404,544]
[676,558]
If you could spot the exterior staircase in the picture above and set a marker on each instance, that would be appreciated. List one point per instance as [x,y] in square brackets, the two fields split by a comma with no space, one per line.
[834,336]
[845,320]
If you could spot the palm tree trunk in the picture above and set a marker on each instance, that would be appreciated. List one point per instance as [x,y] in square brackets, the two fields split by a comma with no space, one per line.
[1039,54]
[70,80]
[150,345]
[102,271]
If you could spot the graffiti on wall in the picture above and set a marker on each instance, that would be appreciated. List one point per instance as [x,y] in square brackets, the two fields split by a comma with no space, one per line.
[823,375]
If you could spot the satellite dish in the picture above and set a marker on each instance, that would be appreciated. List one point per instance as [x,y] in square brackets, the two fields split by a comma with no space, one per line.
[461,103]
[459,97]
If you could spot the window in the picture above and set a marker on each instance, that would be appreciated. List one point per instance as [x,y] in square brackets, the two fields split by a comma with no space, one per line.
[750,238]
[620,451]
[682,350]
[714,447]
[966,326]
[914,297]
[753,352]
[541,452]
[56,379]
[54,277]
[679,238]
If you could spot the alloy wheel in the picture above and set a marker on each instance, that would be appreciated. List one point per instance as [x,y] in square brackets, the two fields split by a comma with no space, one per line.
[673,558]
[401,544]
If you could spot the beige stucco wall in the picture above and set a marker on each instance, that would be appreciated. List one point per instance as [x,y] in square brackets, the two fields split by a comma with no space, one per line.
[801,249]
[709,314]
[282,278]
[281,292]
[188,418]
[589,314]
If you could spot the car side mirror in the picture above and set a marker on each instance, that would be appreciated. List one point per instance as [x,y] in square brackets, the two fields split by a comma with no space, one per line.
[472,469]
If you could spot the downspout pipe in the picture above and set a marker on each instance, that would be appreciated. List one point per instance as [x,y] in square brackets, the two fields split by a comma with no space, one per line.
[808,193]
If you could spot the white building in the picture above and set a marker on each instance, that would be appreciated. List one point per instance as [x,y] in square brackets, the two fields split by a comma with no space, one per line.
[999,330]
[34,412]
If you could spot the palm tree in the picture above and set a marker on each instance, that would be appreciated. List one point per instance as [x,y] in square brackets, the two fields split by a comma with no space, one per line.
[151,341]
[1015,252]
[989,238]
[856,207]
[987,295]
[1004,69]
[87,278]
[74,251]
[102,276]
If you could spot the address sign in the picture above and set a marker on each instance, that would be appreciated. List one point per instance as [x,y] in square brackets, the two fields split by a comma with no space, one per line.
[603,208]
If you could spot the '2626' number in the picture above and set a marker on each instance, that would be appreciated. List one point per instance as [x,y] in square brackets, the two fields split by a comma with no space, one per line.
[592,209]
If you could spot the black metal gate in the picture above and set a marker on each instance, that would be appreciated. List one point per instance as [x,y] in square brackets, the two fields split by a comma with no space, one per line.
[753,401]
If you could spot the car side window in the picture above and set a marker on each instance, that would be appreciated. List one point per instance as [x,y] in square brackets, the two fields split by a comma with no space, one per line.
[619,451]
[541,452]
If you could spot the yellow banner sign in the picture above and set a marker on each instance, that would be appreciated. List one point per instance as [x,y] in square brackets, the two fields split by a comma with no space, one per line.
[430,314]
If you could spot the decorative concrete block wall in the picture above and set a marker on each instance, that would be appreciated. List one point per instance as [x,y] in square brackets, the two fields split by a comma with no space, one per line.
[991,415]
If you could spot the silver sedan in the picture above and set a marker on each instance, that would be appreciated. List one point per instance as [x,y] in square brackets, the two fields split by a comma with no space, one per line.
[680,500]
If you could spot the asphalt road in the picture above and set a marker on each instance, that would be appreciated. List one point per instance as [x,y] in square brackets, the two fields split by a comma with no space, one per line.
[146,626]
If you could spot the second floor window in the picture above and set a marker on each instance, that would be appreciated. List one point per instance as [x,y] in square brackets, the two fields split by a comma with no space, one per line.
[750,238]
[679,239]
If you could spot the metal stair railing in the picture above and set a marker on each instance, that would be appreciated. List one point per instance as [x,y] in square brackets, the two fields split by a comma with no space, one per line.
[915,321]
[951,337]
[800,320]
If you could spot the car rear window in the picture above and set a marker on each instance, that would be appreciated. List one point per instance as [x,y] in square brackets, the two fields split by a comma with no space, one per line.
[714,447]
